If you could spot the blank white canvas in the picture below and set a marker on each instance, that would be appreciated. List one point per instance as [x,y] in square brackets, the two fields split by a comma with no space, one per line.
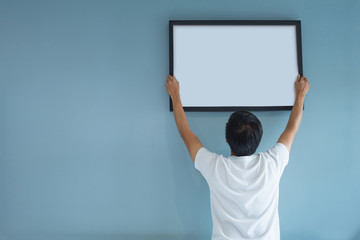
[219,65]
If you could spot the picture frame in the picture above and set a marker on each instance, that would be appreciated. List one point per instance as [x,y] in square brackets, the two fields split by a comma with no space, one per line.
[201,32]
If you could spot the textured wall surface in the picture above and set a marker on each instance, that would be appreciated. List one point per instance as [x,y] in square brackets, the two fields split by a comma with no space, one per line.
[89,150]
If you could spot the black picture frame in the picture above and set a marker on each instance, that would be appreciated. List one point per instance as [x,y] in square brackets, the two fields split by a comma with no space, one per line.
[296,23]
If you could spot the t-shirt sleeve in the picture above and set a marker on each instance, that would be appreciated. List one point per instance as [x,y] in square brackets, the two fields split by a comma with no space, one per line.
[280,156]
[205,162]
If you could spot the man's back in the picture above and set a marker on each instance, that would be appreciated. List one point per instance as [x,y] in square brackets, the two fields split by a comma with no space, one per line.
[244,192]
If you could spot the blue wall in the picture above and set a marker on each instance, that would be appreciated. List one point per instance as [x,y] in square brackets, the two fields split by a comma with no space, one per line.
[89,149]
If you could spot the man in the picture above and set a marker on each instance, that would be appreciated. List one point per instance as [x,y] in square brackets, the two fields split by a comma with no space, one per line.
[244,188]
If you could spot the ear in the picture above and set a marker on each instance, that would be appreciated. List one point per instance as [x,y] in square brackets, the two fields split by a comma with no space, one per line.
[226,140]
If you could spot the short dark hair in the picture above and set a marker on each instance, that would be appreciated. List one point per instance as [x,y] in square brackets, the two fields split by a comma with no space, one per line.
[243,133]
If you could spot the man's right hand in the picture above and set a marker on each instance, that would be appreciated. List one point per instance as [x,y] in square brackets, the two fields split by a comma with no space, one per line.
[301,85]
[301,88]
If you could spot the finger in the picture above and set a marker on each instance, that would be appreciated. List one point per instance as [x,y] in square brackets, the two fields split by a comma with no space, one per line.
[170,78]
[298,77]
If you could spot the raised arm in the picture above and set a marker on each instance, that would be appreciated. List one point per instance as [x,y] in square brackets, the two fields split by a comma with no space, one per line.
[301,87]
[191,141]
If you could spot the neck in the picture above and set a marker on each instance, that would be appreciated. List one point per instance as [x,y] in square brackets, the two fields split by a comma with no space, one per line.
[232,154]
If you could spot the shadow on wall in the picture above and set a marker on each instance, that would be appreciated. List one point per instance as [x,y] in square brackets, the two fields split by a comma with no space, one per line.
[300,236]
[357,236]
[303,236]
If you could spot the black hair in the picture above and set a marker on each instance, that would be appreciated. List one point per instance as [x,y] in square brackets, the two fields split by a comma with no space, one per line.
[243,133]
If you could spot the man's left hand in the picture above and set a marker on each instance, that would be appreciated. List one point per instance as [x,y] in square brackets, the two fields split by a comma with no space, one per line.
[172,86]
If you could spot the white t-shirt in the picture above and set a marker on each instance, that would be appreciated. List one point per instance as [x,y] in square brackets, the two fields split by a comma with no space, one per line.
[244,192]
